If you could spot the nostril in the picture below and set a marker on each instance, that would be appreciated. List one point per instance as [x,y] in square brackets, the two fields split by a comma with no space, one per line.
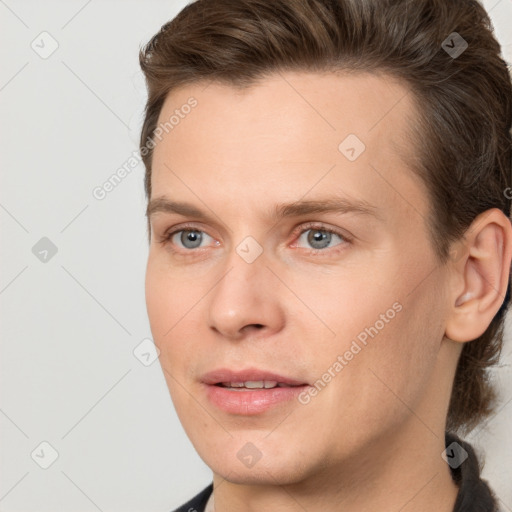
[253,327]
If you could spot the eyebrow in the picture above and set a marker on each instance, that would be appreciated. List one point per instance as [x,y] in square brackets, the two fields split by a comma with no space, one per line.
[279,211]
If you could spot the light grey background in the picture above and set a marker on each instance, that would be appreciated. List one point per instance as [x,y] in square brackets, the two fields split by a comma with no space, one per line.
[70,324]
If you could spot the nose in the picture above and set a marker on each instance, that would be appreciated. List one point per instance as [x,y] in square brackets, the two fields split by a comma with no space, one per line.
[246,301]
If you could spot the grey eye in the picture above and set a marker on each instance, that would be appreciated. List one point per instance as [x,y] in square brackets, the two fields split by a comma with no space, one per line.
[191,239]
[317,238]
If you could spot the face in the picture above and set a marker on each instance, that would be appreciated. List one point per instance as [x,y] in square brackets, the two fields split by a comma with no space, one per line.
[297,255]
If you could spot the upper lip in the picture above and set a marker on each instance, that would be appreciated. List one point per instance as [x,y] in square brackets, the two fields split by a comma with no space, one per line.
[250,374]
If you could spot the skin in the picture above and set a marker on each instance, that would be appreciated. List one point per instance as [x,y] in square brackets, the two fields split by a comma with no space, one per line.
[372,438]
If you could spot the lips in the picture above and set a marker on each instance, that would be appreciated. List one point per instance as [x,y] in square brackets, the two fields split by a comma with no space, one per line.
[250,378]
[250,392]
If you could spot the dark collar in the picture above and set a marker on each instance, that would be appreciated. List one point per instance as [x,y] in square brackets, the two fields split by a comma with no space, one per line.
[474,493]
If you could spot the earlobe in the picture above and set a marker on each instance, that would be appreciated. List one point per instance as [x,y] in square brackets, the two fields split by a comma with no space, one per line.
[484,271]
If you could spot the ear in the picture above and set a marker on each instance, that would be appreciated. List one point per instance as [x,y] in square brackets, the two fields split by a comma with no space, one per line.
[480,268]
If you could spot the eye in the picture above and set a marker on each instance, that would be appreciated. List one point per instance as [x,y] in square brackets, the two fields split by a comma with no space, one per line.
[320,238]
[187,238]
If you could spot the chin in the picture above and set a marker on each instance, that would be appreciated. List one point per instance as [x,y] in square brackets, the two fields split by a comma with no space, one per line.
[282,469]
[258,476]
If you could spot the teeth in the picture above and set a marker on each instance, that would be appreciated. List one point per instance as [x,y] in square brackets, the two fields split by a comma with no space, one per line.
[253,384]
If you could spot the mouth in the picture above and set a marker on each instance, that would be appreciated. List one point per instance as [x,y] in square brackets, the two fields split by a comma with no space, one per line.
[255,384]
[250,392]
[250,378]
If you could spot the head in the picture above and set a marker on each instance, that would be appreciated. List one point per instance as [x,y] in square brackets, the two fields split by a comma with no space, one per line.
[253,105]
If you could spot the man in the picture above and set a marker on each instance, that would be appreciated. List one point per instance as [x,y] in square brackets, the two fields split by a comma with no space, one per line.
[330,247]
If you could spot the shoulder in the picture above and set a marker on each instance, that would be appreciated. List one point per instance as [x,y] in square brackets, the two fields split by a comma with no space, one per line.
[198,502]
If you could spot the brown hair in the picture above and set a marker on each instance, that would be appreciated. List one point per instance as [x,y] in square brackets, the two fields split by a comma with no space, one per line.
[462,134]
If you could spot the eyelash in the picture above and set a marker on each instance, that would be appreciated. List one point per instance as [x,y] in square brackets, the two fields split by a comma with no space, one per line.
[166,238]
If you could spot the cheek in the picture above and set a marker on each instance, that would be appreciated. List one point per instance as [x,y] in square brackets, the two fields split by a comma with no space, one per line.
[158,300]
[386,336]
[397,364]
[167,302]
[173,303]
[342,307]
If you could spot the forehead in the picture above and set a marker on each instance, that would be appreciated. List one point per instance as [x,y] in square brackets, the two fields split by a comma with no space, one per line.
[291,134]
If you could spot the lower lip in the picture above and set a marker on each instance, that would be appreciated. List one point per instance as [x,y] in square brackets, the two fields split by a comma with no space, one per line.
[251,402]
